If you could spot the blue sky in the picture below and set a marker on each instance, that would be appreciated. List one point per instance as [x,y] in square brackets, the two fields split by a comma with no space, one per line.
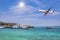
[10,11]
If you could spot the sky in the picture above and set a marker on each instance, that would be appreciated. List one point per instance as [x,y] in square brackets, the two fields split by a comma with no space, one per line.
[26,12]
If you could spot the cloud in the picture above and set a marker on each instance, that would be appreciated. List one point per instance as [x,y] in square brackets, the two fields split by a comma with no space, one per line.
[26,9]
[30,20]
[38,3]
[42,22]
[54,13]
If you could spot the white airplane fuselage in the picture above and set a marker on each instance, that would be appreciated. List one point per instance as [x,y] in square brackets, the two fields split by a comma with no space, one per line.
[44,11]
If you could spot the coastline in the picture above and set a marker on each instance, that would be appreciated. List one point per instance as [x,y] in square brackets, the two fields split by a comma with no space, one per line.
[14,25]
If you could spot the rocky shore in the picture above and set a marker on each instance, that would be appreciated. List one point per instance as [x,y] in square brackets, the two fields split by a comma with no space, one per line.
[14,25]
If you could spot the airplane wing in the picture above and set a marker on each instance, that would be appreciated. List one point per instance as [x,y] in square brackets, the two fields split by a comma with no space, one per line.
[47,11]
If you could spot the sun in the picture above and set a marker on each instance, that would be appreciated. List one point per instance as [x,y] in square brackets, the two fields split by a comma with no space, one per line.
[21,4]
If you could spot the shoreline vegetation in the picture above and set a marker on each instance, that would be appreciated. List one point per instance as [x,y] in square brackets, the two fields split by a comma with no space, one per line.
[14,25]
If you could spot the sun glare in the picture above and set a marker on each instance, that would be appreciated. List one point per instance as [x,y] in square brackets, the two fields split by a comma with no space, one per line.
[21,4]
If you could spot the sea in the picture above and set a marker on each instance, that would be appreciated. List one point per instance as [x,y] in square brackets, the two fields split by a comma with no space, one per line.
[36,33]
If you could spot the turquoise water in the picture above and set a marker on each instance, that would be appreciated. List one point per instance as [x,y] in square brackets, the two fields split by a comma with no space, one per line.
[30,34]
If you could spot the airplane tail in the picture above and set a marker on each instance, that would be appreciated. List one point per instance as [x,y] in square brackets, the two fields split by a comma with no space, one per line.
[52,12]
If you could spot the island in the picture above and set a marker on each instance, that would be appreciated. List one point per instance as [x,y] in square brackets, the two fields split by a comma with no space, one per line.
[14,25]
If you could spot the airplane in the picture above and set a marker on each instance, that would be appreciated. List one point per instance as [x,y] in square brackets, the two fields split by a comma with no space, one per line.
[49,11]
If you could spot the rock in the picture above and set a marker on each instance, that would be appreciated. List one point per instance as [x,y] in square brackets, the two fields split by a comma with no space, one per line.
[14,25]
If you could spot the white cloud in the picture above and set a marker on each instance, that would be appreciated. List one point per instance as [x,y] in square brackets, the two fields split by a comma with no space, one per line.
[38,3]
[54,13]
[27,9]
